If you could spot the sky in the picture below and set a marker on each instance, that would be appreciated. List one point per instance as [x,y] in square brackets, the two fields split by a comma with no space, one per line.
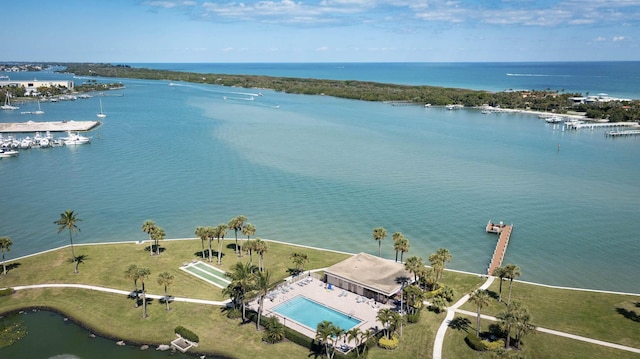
[249,31]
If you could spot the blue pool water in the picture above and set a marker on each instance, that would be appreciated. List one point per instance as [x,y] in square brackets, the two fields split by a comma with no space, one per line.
[310,313]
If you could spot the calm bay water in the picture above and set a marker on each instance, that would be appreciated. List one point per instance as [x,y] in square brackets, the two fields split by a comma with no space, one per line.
[323,171]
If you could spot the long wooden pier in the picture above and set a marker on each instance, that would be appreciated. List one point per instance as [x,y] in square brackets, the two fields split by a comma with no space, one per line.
[504,233]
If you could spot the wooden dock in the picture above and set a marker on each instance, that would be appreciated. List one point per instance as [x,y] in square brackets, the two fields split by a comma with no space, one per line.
[51,126]
[504,233]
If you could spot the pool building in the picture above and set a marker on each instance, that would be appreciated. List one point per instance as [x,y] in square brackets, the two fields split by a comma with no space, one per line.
[369,276]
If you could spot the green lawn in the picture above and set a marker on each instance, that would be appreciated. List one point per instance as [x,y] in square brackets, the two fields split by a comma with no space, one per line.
[589,314]
[595,315]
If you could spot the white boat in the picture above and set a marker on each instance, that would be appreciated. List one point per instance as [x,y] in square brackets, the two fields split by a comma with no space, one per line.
[26,142]
[7,104]
[39,111]
[75,139]
[4,153]
[101,114]
[554,119]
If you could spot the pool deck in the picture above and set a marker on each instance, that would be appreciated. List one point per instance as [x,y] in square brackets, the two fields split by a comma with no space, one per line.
[315,290]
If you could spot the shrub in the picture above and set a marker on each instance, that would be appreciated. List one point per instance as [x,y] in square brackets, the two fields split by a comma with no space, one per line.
[433,293]
[6,291]
[187,334]
[413,317]
[234,313]
[495,345]
[389,344]
[474,342]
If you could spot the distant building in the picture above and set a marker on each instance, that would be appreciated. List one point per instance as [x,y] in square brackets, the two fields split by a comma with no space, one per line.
[31,87]
[599,98]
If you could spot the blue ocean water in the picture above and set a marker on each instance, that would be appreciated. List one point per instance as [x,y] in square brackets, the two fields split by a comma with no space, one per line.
[324,171]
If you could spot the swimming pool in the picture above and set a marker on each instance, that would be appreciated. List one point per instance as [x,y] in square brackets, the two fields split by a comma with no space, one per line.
[309,313]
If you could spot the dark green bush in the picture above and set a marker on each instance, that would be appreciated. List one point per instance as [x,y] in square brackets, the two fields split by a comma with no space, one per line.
[187,334]
[6,291]
[234,313]
[413,317]
[474,342]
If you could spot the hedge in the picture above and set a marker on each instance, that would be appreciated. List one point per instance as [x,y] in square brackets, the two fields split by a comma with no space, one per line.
[6,291]
[187,334]
[389,344]
[474,342]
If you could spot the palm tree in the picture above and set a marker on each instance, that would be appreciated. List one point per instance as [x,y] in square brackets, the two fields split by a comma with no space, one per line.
[379,234]
[355,334]
[501,273]
[364,338]
[5,246]
[438,261]
[261,249]
[481,299]
[299,259]
[385,316]
[250,247]
[248,230]
[220,231]
[201,232]
[236,224]
[413,265]
[438,304]
[157,235]
[262,284]
[148,227]
[143,273]
[133,273]
[326,332]
[242,276]
[165,279]
[68,221]
[512,272]
[403,245]
[523,324]
[396,237]
[211,234]
[507,320]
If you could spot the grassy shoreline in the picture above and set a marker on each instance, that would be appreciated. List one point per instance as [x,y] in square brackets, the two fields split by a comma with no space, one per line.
[591,314]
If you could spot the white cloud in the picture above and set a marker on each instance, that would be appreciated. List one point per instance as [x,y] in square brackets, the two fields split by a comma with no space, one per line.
[600,39]
[323,48]
[618,38]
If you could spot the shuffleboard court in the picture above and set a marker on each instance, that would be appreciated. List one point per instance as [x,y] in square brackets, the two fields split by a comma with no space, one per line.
[207,273]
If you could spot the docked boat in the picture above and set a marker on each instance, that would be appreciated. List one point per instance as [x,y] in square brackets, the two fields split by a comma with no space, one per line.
[554,119]
[75,139]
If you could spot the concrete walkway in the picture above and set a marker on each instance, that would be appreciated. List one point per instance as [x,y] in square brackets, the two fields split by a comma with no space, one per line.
[451,312]
[561,334]
[122,292]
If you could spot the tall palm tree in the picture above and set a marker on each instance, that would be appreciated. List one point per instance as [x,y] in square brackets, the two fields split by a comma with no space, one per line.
[481,299]
[143,273]
[379,234]
[133,273]
[299,259]
[248,230]
[508,321]
[523,324]
[148,227]
[438,261]
[157,235]
[250,246]
[327,332]
[242,276]
[165,279]
[403,246]
[261,248]
[221,231]
[396,237]
[262,285]
[385,317]
[355,334]
[501,273]
[413,265]
[211,234]
[5,246]
[202,234]
[236,224]
[68,221]
[512,272]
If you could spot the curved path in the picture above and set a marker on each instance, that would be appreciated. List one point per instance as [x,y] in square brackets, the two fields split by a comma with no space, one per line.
[451,312]
[123,292]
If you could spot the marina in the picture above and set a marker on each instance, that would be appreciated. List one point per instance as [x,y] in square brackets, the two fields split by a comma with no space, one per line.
[504,233]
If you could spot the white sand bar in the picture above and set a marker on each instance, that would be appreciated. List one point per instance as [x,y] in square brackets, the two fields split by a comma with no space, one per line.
[52,126]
